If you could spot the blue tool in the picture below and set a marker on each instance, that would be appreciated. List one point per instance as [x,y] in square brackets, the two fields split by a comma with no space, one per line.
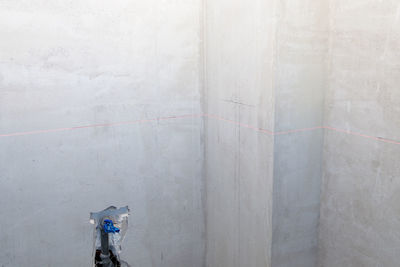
[109,227]
[108,237]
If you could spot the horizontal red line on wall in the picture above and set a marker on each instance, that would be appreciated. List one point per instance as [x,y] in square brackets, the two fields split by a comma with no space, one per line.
[306,130]
[101,125]
[266,131]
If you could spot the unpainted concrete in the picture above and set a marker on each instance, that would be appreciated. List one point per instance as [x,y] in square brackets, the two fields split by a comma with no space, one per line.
[73,63]
[239,70]
[300,81]
[67,64]
[360,215]
[264,58]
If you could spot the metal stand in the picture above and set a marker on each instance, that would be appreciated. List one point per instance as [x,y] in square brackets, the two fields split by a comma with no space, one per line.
[105,250]
[106,255]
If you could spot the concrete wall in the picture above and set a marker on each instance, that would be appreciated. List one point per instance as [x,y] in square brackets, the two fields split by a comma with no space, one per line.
[73,63]
[300,79]
[360,216]
[239,160]
[265,68]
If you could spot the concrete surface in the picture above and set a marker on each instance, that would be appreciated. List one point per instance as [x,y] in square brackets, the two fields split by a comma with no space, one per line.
[211,191]
[265,67]
[348,50]
[300,79]
[239,55]
[360,216]
[72,63]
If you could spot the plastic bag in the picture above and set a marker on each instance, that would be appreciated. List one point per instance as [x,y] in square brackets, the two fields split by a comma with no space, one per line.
[119,218]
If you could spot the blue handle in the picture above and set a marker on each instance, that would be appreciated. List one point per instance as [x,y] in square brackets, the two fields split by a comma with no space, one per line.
[109,227]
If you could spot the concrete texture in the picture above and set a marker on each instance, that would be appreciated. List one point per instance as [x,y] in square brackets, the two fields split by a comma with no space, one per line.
[346,50]
[360,216]
[265,67]
[218,191]
[300,79]
[239,161]
[72,63]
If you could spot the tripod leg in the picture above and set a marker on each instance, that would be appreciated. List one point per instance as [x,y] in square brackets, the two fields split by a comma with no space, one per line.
[105,250]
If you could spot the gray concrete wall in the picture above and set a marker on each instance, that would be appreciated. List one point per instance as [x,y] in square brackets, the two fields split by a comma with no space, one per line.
[239,91]
[300,80]
[360,216]
[73,63]
[265,68]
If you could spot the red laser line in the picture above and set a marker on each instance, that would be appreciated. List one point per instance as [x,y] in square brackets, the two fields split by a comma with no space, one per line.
[381,139]
[239,124]
[100,125]
[363,135]
[299,130]
[208,116]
